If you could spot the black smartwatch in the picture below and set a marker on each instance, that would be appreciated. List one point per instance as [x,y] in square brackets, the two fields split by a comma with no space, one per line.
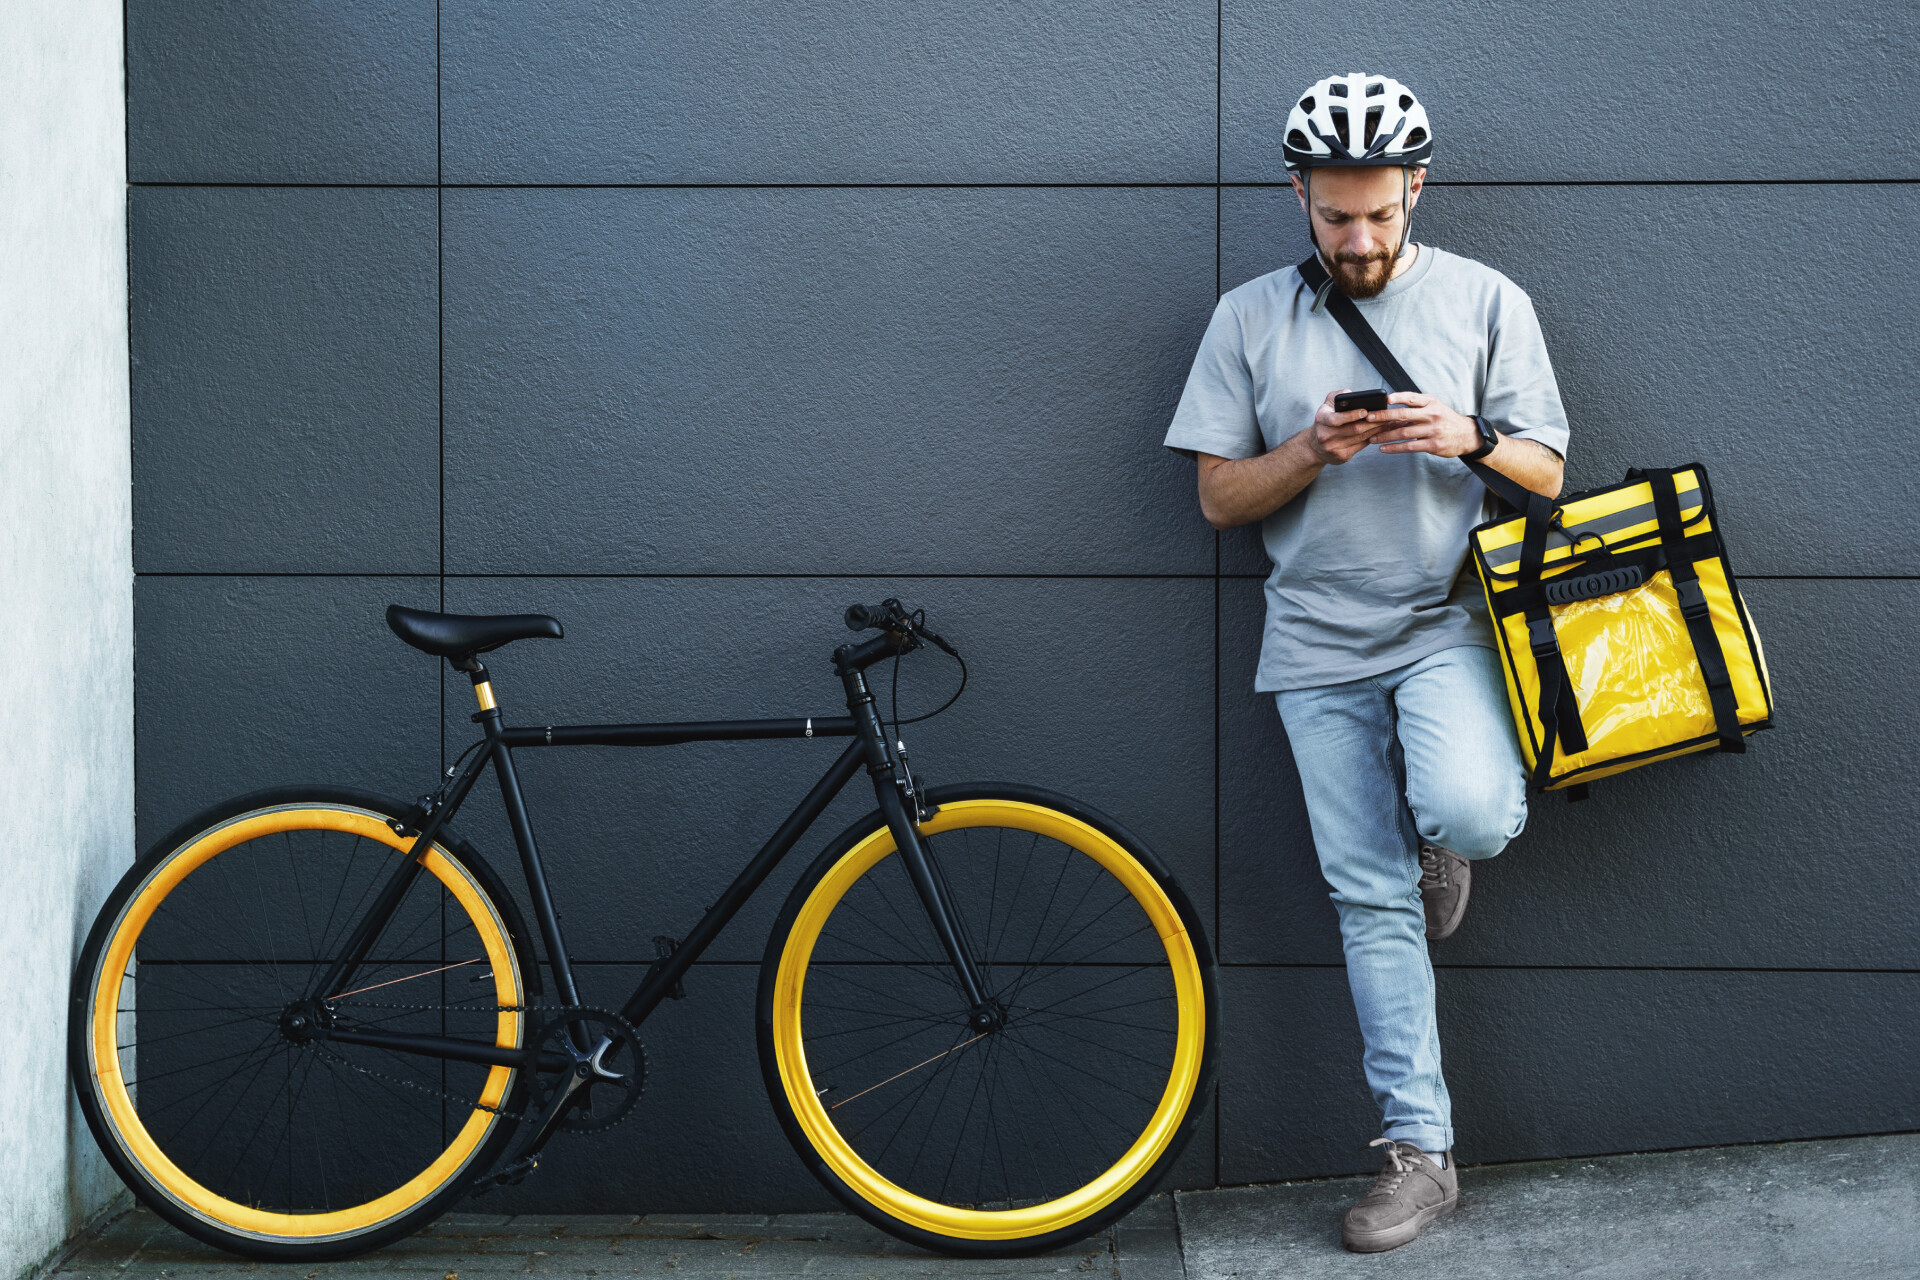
[1488,439]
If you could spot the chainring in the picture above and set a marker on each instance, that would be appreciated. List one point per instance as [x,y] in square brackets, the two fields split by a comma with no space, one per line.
[615,1056]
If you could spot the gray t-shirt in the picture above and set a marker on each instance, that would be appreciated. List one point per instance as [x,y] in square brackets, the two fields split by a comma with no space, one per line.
[1367,559]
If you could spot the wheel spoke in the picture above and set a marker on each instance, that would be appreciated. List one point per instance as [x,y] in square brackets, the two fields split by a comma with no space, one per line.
[948,1068]
[241,1104]
[1022,1113]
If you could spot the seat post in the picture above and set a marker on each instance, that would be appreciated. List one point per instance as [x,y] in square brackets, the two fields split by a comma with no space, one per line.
[482,682]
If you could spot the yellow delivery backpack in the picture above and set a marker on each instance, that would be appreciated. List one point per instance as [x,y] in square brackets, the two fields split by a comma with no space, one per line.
[1620,627]
[1621,630]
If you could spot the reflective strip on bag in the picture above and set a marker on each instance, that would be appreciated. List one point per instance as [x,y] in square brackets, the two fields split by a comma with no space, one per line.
[1612,518]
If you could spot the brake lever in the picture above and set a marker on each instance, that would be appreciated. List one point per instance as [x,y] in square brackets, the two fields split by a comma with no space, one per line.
[937,639]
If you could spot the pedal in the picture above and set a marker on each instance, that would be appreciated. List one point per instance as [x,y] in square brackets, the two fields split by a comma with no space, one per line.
[663,949]
[511,1176]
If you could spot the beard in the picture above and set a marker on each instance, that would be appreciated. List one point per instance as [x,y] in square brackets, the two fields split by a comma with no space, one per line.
[1363,276]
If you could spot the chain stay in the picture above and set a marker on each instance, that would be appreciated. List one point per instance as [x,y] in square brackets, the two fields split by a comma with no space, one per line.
[446,1095]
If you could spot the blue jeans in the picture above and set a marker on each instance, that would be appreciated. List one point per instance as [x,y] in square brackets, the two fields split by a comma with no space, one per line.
[1425,752]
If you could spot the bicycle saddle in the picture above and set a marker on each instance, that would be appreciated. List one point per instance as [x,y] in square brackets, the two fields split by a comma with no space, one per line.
[461,635]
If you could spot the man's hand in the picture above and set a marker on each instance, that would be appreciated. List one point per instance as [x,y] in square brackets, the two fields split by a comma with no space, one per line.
[1336,437]
[1248,489]
[1415,422]
[1241,491]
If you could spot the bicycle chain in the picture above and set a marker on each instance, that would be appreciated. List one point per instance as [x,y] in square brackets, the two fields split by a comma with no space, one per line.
[447,1095]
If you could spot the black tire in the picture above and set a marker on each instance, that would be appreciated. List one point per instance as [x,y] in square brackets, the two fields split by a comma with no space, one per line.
[772,1015]
[101,1091]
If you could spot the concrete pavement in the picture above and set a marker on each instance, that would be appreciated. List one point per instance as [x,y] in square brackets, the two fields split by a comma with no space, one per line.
[1846,1209]
[1794,1211]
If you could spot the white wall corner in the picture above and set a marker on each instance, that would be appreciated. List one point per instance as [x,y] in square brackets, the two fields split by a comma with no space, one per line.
[66,577]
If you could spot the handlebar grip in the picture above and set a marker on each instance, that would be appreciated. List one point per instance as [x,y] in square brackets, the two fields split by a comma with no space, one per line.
[862,617]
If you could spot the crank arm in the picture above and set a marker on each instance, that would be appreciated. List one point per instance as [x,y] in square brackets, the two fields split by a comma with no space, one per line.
[579,1075]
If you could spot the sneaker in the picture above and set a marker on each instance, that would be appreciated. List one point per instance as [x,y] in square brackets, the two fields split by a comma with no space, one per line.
[1445,878]
[1410,1192]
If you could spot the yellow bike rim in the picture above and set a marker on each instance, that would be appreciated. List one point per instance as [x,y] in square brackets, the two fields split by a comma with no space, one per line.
[118,1103]
[1027,1221]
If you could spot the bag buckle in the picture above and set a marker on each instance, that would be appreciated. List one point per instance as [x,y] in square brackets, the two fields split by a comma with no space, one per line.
[1541,635]
[1693,601]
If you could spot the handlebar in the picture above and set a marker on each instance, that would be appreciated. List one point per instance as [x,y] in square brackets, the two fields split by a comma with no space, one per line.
[902,630]
[888,615]
[905,628]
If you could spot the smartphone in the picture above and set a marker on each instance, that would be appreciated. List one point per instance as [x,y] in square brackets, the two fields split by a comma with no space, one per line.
[1348,401]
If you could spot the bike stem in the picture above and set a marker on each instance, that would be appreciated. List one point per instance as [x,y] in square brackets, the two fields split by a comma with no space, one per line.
[851,661]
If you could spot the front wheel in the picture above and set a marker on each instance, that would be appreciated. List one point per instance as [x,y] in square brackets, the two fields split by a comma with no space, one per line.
[1068,1112]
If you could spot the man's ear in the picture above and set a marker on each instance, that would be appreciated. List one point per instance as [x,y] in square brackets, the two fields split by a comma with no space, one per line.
[1413,190]
[1299,188]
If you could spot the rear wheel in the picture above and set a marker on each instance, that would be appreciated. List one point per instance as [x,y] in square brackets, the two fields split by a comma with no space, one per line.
[1063,1116]
[199,1049]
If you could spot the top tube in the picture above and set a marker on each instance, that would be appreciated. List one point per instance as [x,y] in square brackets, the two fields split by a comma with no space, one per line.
[661,735]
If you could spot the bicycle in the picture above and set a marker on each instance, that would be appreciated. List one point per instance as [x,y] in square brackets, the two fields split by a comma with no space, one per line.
[309,1019]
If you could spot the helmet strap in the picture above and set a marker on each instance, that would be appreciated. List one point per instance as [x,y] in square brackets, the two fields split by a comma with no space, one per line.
[1306,189]
[1406,213]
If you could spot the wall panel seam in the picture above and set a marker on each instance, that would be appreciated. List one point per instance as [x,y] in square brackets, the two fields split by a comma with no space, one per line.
[928,576]
[1490,968]
[1017,186]
[1588,968]
[1219,225]
[916,575]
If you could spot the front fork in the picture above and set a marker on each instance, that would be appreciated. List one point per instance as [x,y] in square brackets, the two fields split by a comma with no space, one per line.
[889,773]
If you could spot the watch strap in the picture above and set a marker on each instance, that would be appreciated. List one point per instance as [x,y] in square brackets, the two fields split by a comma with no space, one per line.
[1488,439]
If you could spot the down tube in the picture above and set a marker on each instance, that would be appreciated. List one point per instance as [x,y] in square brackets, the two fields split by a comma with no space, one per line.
[651,991]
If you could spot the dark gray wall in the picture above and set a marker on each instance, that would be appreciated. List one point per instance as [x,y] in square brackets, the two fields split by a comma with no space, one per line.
[691,324]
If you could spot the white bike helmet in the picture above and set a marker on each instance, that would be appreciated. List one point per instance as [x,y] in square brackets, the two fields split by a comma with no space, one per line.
[1357,119]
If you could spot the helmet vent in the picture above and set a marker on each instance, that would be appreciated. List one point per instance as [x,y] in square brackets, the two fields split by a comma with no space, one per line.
[1361,118]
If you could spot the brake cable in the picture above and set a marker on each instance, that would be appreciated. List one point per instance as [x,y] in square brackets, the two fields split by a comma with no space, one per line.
[430,802]
[917,625]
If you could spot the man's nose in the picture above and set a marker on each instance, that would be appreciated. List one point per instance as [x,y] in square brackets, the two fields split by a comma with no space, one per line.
[1360,240]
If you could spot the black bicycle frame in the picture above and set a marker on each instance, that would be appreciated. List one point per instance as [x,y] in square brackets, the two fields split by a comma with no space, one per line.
[870,747]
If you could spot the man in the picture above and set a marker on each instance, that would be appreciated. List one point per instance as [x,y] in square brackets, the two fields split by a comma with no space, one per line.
[1376,644]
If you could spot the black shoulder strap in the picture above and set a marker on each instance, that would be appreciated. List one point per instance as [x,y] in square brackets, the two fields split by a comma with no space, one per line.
[1694,609]
[1559,712]
[1342,309]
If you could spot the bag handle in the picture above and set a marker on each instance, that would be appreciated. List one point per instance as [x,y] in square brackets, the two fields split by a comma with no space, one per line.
[1559,712]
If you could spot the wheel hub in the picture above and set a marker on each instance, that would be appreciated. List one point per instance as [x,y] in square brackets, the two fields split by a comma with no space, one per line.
[305,1020]
[988,1018]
